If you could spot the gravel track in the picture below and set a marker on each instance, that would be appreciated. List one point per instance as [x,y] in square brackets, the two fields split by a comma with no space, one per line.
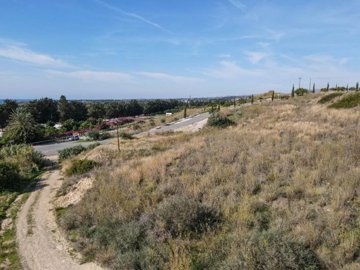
[40,244]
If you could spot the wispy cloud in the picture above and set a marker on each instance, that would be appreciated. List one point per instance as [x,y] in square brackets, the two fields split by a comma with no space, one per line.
[169,77]
[230,70]
[131,15]
[89,75]
[255,57]
[238,4]
[21,53]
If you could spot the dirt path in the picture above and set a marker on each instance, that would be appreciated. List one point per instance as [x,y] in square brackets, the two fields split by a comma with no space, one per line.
[40,244]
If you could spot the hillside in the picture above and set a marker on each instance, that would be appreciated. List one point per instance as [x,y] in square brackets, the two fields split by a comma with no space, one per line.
[279,190]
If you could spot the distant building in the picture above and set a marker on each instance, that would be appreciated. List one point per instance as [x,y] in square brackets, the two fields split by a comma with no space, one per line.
[168,114]
[58,126]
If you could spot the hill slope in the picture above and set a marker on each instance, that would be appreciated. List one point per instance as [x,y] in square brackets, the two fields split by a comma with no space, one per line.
[278,191]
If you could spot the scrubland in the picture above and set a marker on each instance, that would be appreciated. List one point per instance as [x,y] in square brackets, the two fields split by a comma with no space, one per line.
[278,190]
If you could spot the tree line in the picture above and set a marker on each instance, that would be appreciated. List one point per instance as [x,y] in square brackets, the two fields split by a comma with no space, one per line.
[34,120]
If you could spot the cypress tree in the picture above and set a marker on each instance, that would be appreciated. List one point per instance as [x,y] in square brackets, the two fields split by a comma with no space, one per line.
[357,86]
[327,87]
[293,91]
[314,88]
[185,112]
[252,99]
[272,95]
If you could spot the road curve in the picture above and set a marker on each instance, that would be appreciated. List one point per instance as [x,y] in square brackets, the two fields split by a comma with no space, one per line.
[41,245]
[179,124]
[53,148]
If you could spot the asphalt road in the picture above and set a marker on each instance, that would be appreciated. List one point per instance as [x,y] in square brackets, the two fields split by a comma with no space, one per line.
[180,124]
[53,148]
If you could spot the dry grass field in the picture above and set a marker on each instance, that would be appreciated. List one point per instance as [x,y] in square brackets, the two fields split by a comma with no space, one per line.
[280,190]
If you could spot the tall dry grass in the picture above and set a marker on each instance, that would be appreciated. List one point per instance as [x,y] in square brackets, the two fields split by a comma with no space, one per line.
[278,191]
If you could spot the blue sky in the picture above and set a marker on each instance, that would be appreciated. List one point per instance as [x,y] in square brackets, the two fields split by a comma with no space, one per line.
[172,48]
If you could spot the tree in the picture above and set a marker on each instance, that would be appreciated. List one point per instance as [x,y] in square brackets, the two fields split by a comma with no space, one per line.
[293,91]
[327,87]
[252,99]
[64,109]
[357,86]
[313,88]
[22,127]
[96,110]
[185,111]
[5,111]
[43,110]
[133,108]
[272,95]
[78,111]
[301,91]
[347,88]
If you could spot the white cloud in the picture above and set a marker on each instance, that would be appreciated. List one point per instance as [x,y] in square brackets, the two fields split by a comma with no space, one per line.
[238,4]
[131,15]
[22,54]
[255,57]
[168,77]
[89,75]
[230,70]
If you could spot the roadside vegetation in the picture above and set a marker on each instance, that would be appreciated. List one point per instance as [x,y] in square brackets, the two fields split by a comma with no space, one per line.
[80,166]
[74,151]
[20,165]
[280,190]
[349,101]
[328,98]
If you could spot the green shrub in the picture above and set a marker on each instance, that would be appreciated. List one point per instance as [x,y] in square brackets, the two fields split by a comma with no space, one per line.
[98,136]
[219,120]
[349,101]
[24,157]
[181,216]
[273,251]
[92,146]
[71,152]
[301,91]
[80,166]
[329,97]
[9,176]
[126,136]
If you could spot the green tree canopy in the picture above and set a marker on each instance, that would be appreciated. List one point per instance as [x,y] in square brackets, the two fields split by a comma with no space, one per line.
[5,111]
[44,110]
[22,127]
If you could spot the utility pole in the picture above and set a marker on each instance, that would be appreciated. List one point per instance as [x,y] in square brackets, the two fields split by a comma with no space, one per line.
[300,82]
[118,136]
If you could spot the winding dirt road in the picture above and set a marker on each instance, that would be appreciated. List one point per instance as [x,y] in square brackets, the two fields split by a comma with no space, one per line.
[40,243]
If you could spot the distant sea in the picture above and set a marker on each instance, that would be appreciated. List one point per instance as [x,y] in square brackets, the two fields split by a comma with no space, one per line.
[17,100]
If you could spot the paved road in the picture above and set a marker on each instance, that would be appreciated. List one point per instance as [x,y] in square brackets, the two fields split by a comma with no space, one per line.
[180,124]
[53,148]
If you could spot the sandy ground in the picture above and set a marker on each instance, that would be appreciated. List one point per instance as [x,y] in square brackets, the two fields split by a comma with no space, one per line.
[40,243]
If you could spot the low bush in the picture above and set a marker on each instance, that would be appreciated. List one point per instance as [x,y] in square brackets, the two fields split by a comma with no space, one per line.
[80,166]
[219,120]
[329,98]
[126,136]
[190,217]
[349,101]
[301,91]
[9,176]
[98,136]
[71,152]
[28,161]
